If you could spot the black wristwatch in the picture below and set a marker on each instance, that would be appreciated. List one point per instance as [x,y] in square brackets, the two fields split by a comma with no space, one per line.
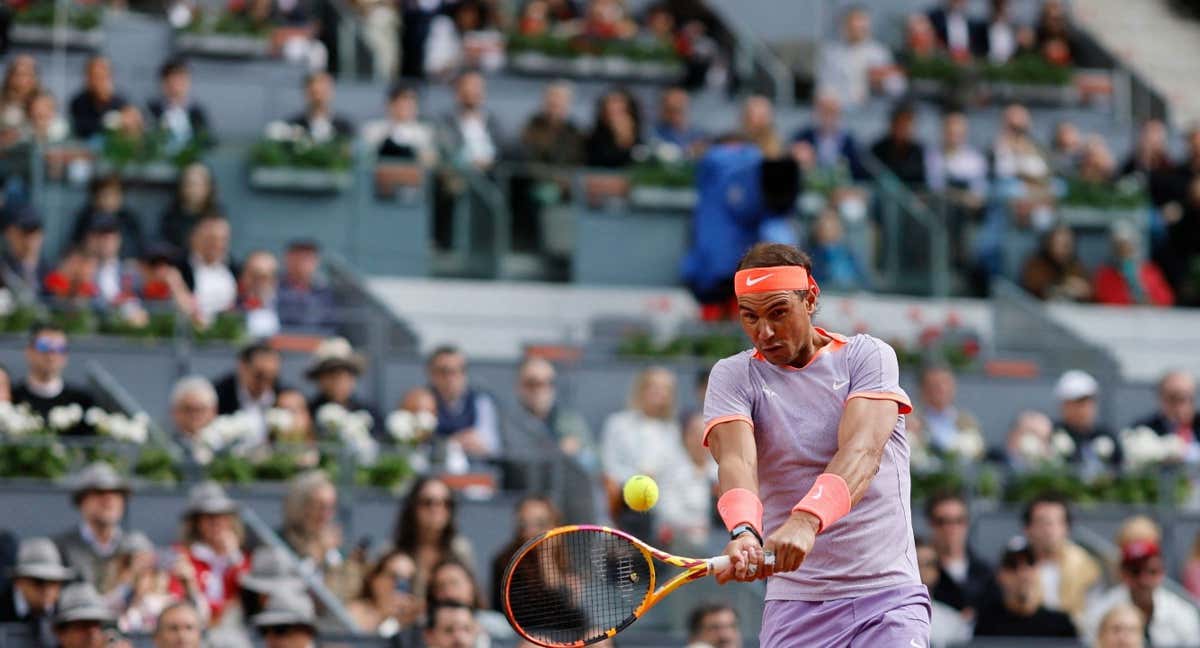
[738,530]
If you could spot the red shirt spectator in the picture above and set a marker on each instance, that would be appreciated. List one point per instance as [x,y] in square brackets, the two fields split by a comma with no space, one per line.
[212,541]
[1112,286]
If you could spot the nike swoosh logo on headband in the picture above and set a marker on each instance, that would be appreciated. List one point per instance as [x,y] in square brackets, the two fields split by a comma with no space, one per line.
[757,280]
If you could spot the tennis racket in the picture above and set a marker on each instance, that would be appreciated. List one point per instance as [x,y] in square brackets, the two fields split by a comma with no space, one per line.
[578,585]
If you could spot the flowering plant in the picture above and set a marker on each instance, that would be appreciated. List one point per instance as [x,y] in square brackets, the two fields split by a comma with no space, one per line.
[351,429]
[409,427]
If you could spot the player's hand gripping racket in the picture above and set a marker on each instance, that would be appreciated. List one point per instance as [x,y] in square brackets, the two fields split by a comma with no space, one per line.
[578,585]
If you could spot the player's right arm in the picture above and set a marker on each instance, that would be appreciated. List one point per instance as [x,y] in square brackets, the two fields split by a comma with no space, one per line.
[732,446]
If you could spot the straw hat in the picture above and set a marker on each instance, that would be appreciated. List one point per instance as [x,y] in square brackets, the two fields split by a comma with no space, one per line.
[333,354]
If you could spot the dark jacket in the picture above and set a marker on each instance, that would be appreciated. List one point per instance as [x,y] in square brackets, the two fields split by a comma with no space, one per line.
[197,117]
[995,620]
[342,127]
[14,275]
[553,143]
[227,394]
[175,225]
[1163,427]
[603,150]
[132,241]
[1084,438]
[973,593]
[905,160]
[847,147]
[939,19]
[69,395]
[40,628]
[309,308]
[87,115]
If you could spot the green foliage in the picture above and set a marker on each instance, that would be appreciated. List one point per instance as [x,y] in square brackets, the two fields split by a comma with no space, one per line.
[229,326]
[657,173]
[390,471]
[710,346]
[570,47]
[229,469]
[1027,69]
[79,16]
[76,320]
[122,150]
[21,319]
[303,153]
[154,464]
[1123,195]
[41,458]
[938,68]
[227,23]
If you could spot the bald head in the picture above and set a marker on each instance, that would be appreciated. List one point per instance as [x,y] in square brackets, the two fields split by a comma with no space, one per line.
[1177,397]
[535,386]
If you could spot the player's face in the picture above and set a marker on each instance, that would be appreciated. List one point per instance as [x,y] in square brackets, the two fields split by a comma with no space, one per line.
[778,323]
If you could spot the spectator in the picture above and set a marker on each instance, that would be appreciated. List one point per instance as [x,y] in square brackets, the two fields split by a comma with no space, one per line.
[541,418]
[758,125]
[1123,626]
[453,581]
[305,299]
[1000,38]
[642,439]
[550,136]
[534,515]
[1182,246]
[193,408]
[195,196]
[857,66]
[22,267]
[253,385]
[402,134]
[137,588]
[1129,277]
[1056,40]
[1028,445]
[381,34]
[206,272]
[1077,392]
[385,605]
[920,39]
[179,626]
[102,243]
[463,38]
[465,415]
[100,494]
[1096,164]
[44,125]
[1172,620]
[616,132]
[175,114]
[942,421]
[311,530]
[426,530]
[1054,272]
[899,149]
[71,284]
[81,617]
[674,125]
[299,430]
[714,625]
[97,98]
[964,580]
[1066,572]
[1151,159]
[37,580]
[451,625]
[1020,610]
[212,540]
[1015,154]
[1066,149]
[319,120]
[272,570]
[685,519]
[835,263]
[946,624]
[106,199]
[159,283]
[833,145]
[1176,407]
[288,621]
[335,368]
[471,134]
[957,167]
[258,289]
[20,86]
[955,32]
[43,387]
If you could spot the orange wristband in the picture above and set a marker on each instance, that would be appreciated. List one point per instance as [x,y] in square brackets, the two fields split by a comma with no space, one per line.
[828,500]
[740,506]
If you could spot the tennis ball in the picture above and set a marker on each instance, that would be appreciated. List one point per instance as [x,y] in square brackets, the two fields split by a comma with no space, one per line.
[641,493]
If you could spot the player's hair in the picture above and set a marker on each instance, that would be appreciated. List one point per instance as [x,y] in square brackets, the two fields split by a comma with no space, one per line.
[1052,498]
[700,612]
[766,255]
[941,497]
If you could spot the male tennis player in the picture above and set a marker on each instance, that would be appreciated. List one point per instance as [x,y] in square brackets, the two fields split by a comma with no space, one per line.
[807,431]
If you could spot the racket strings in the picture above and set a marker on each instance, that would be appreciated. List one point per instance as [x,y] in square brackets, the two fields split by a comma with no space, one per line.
[575,587]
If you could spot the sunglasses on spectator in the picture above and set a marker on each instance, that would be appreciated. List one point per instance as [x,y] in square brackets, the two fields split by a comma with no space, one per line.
[430,502]
[43,345]
[945,521]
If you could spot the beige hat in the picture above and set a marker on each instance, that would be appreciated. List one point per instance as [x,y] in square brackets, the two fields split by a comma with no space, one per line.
[81,602]
[39,558]
[97,476]
[208,498]
[333,354]
[272,569]
[286,608]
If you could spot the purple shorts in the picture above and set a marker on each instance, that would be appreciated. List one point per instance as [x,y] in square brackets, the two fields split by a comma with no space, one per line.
[896,617]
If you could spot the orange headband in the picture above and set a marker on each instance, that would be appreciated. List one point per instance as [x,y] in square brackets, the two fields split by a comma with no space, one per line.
[771,279]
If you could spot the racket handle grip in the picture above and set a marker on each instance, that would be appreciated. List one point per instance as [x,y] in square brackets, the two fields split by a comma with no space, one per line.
[721,563]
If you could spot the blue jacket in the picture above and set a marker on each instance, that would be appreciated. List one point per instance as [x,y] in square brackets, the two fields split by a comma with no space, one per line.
[847,147]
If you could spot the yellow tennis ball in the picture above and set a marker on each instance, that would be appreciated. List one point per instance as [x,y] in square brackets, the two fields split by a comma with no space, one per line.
[641,493]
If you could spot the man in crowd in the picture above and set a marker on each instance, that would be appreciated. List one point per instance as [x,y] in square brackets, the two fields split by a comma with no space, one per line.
[319,119]
[43,387]
[451,625]
[37,582]
[831,143]
[289,620]
[465,414]
[335,369]
[947,625]
[1171,619]
[305,301]
[675,125]
[176,114]
[941,420]
[550,136]
[98,98]
[179,626]
[89,548]
[253,384]
[22,267]
[541,417]
[1079,414]
[81,618]
[1019,611]
[714,625]
[258,294]
[1066,572]
[1176,407]
[471,133]
[193,408]
[964,580]
[206,271]
[858,66]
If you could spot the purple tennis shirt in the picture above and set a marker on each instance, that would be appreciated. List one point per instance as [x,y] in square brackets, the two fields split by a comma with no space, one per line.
[795,415]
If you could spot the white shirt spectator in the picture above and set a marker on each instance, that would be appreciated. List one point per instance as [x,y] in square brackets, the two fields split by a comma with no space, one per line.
[688,510]
[108,280]
[963,167]
[958,34]
[414,134]
[216,288]
[1175,621]
[1002,42]
[478,147]
[947,626]
[844,70]
[635,444]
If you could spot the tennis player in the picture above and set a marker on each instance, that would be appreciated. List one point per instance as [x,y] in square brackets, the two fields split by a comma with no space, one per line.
[808,433]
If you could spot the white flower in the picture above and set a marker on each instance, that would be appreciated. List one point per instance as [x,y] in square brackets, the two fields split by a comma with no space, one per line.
[1063,444]
[1031,447]
[402,425]
[426,423]
[668,152]
[280,420]
[65,417]
[279,131]
[94,416]
[7,304]
[18,421]
[968,444]
[112,120]
[1176,448]
[331,416]
[1104,447]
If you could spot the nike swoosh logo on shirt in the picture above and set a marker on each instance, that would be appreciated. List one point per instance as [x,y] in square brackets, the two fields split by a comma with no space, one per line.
[839,385]
[751,281]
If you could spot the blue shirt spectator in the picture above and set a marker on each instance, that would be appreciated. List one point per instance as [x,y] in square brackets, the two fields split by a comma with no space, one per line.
[304,300]
[832,144]
[674,124]
[835,265]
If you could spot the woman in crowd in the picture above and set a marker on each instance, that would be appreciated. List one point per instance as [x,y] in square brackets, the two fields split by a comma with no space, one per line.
[385,604]
[426,530]
[106,197]
[1054,272]
[195,196]
[617,131]
[310,528]
[535,514]
[19,87]
[212,541]
[1129,277]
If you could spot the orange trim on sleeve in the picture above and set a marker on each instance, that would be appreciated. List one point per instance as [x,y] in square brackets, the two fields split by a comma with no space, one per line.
[901,399]
[725,419]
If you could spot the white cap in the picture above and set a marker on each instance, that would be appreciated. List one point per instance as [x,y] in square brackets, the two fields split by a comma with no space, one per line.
[1076,384]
